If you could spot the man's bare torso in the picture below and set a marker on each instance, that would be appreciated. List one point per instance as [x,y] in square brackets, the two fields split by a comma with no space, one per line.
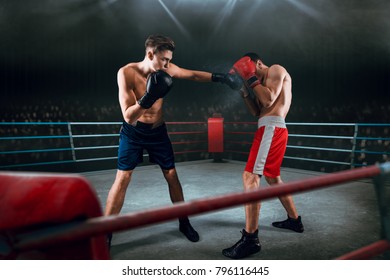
[136,79]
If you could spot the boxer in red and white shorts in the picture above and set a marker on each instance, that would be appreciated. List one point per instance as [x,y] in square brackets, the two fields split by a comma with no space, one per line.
[268,148]
[267,93]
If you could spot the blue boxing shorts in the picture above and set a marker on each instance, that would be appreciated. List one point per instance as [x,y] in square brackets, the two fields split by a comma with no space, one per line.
[134,138]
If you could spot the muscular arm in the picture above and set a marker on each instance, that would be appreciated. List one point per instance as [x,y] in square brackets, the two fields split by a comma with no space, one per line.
[250,102]
[131,110]
[269,93]
[194,75]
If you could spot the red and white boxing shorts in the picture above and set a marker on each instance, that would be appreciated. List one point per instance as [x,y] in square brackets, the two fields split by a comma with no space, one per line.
[268,148]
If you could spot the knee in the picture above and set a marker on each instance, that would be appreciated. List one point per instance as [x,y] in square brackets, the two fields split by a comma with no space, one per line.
[250,180]
[123,177]
[273,181]
[170,173]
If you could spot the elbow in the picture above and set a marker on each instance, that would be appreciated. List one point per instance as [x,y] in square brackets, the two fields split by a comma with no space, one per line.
[129,118]
[268,102]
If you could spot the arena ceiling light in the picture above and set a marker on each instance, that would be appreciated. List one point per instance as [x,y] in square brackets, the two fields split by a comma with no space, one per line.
[175,20]
[305,9]
[225,12]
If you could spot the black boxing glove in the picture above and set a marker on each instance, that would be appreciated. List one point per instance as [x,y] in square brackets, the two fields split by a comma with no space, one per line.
[158,85]
[232,80]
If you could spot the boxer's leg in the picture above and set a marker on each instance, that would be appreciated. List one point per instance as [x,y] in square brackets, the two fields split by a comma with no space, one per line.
[161,152]
[116,196]
[249,242]
[252,211]
[176,194]
[293,221]
[175,188]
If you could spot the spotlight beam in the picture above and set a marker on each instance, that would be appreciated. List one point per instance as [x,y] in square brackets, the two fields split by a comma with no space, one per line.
[306,9]
[175,20]
[226,11]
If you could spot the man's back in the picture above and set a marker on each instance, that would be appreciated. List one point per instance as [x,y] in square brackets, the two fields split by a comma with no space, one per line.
[278,77]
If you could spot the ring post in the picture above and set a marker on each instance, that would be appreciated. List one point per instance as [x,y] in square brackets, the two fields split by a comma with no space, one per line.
[382,187]
[49,202]
[215,136]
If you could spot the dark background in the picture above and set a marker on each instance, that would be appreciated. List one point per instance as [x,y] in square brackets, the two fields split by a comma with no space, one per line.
[338,52]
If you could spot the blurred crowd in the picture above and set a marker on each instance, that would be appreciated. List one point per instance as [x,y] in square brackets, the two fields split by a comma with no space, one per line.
[66,110]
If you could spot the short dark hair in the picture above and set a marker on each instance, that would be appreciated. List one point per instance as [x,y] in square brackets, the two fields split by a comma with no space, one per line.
[253,56]
[159,43]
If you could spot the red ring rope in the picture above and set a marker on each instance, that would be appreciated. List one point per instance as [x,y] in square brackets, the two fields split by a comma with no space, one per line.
[367,252]
[104,225]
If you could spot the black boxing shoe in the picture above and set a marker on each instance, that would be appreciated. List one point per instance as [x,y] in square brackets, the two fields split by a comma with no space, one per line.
[248,244]
[189,232]
[291,224]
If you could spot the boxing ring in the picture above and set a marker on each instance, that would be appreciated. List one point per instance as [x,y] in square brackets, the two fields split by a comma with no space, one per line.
[144,222]
[67,143]
[26,145]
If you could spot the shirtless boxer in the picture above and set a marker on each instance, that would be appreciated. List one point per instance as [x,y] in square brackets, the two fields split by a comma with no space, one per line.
[142,86]
[271,87]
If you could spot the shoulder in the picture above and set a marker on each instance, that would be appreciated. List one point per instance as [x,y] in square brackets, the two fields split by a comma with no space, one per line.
[277,71]
[127,75]
[128,70]
[277,68]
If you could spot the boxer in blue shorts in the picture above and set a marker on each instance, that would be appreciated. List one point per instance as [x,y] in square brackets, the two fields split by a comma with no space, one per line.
[142,86]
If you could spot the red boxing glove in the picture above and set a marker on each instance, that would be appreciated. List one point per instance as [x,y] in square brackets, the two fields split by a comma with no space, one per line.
[246,68]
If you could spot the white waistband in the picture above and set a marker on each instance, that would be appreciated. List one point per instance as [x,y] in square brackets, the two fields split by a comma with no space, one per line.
[277,121]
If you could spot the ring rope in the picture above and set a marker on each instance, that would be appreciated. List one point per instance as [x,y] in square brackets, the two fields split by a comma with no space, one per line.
[367,252]
[106,224]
